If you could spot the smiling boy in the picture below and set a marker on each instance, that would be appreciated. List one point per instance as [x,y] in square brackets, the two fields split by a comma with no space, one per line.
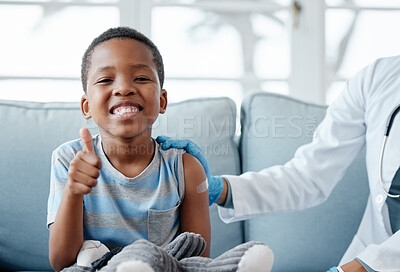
[120,186]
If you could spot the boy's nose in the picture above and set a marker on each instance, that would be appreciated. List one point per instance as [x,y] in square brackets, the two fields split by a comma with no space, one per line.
[124,89]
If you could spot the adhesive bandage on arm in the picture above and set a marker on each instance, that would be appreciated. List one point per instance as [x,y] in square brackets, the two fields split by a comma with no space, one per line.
[202,187]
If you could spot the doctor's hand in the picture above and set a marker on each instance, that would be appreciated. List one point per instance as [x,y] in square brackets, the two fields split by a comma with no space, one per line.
[84,168]
[215,183]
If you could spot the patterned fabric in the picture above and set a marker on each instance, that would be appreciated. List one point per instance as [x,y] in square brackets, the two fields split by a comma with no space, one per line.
[121,210]
[182,255]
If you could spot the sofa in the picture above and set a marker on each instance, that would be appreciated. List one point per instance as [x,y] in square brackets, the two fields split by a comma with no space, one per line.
[270,128]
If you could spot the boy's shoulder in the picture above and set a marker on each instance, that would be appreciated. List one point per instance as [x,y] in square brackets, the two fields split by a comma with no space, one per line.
[169,153]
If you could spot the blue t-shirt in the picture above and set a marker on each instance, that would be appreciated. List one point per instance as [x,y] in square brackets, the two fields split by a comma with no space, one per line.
[120,210]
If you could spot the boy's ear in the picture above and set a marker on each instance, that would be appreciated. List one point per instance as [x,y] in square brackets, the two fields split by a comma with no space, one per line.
[85,107]
[163,101]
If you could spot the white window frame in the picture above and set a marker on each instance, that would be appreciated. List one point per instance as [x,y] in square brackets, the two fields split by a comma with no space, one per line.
[309,76]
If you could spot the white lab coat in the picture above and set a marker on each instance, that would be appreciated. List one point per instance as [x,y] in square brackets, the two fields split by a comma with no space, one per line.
[357,118]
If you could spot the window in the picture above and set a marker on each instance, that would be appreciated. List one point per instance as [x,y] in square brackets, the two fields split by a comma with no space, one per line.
[306,48]
[357,33]
[42,46]
[222,48]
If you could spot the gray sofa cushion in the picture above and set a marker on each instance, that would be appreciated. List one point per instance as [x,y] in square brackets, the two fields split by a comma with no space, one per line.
[31,131]
[273,127]
[211,123]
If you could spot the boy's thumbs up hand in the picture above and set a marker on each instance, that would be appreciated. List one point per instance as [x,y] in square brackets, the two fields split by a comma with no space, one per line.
[84,168]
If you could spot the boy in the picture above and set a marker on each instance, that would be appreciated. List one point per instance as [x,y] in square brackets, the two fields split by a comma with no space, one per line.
[120,186]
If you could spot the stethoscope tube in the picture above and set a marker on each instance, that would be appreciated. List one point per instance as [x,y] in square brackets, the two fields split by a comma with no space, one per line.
[380,170]
[387,132]
[391,119]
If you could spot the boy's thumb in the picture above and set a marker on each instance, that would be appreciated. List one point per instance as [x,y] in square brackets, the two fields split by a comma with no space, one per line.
[87,142]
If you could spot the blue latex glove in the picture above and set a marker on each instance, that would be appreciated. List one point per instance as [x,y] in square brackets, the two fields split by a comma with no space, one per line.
[215,183]
[333,269]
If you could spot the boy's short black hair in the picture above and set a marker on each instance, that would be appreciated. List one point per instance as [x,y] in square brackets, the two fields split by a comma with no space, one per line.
[121,33]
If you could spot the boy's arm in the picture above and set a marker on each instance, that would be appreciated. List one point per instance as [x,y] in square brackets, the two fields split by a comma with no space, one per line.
[194,210]
[66,233]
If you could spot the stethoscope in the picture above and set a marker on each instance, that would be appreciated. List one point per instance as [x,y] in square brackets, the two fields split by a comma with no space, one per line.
[388,128]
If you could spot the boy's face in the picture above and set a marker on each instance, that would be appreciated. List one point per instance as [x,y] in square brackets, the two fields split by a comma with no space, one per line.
[123,96]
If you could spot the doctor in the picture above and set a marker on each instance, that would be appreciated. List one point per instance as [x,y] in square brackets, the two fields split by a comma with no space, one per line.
[356,119]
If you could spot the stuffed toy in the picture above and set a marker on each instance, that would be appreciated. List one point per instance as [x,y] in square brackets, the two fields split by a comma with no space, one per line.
[182,254]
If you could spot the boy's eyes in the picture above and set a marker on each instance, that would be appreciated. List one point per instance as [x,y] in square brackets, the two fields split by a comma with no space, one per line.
[141,79]
[108,80]
[104,80]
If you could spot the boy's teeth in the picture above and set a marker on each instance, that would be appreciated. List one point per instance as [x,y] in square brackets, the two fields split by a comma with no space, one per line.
[124,110]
